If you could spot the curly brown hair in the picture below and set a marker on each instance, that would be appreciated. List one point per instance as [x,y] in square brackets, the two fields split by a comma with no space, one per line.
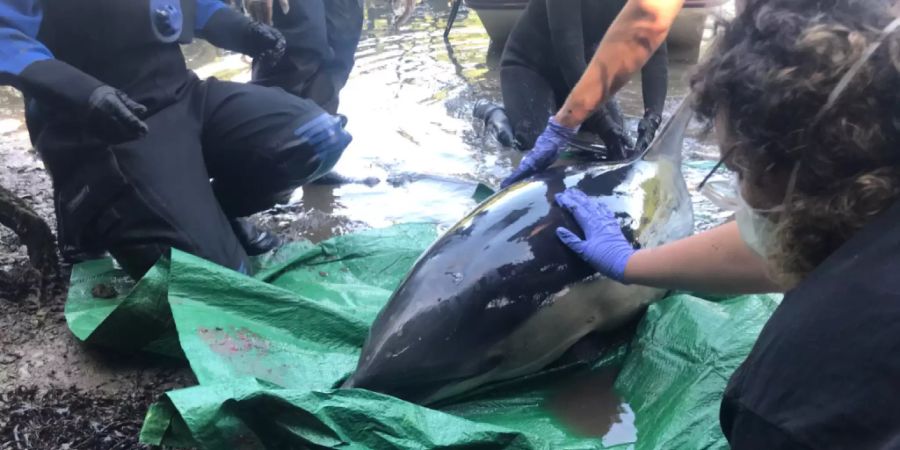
[771,73]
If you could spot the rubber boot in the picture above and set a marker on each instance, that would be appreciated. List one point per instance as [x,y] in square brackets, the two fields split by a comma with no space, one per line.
[255,241]
[495,122]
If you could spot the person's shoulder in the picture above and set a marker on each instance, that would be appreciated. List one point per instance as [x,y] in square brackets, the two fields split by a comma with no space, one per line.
[826,362]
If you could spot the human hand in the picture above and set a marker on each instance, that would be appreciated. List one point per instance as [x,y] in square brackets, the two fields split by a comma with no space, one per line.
[647,130]
[604,246]
[545,152]
[265,43]
[618,144]
[113,116]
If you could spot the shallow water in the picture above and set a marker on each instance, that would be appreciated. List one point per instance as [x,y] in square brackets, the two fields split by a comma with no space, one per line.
[409,101]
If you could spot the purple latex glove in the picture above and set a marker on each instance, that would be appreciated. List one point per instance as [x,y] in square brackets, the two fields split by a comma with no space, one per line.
[545,152]
[604,246]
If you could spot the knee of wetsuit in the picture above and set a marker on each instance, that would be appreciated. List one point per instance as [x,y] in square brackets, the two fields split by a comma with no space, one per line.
[137,259]
[318,146]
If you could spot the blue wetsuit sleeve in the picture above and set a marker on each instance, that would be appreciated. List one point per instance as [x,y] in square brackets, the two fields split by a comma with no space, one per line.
[20,21]
[29,66]
[223,27]
[205,11]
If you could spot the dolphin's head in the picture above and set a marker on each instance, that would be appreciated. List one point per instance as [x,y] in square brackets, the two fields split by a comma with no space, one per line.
[423,344]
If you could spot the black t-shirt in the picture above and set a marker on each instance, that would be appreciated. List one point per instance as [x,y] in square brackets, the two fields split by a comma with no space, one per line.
[825,371]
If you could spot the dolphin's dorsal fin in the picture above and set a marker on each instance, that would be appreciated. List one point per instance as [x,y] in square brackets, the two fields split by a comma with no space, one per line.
[668,141]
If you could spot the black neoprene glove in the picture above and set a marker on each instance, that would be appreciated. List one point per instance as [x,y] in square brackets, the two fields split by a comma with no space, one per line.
[647,130]
[114,117]
[618,144]
[266,43]
[107,113]
[233,31]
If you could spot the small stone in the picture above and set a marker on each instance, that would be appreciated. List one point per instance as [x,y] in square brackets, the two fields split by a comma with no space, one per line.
[104,291]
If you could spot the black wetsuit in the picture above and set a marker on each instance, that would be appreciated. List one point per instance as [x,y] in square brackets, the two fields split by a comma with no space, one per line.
[322,36]
[547,52]
[825,370]
[138,199]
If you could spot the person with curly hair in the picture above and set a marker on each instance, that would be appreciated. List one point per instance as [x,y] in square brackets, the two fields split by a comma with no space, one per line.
[804,96]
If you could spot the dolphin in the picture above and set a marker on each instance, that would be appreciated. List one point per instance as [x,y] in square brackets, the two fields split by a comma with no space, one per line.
[498,296]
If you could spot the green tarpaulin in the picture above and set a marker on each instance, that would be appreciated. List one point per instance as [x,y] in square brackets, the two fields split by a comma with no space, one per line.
[268,352]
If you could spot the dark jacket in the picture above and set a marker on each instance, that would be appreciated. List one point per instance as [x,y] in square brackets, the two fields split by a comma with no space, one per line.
[825,371]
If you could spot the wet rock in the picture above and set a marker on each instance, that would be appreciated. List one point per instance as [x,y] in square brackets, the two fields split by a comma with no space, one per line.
[104,291]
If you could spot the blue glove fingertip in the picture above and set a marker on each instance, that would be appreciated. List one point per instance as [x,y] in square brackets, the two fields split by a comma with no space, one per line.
[560,199]
[567,237]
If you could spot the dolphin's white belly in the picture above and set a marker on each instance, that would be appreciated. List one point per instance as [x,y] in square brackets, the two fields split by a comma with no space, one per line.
[597,304]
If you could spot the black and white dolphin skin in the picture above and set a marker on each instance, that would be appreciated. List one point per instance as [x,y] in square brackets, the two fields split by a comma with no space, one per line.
[499,296]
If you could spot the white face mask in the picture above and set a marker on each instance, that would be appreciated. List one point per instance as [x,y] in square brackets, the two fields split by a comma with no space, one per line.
[757,230]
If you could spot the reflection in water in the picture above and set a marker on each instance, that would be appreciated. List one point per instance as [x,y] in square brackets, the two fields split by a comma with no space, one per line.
[588,406]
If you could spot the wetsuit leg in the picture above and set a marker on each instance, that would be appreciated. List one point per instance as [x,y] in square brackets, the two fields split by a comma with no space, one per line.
[305,30]
[141,198]
[261,144]
[529,100]
[344,20]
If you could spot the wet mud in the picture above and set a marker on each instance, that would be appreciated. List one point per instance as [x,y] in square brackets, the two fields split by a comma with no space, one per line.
[409,101]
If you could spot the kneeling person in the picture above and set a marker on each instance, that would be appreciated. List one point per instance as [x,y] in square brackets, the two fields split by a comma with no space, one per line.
[132,138]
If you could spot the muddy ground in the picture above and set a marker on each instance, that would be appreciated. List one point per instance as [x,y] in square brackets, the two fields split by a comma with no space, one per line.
[54,392]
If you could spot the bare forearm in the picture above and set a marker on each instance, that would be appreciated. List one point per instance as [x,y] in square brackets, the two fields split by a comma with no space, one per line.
[630,41]
[715,261]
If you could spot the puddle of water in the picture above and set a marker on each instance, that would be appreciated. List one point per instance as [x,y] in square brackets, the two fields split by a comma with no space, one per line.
[588,406]
[9,125]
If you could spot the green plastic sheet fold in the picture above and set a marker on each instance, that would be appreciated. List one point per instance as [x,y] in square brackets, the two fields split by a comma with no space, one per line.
[269,352]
